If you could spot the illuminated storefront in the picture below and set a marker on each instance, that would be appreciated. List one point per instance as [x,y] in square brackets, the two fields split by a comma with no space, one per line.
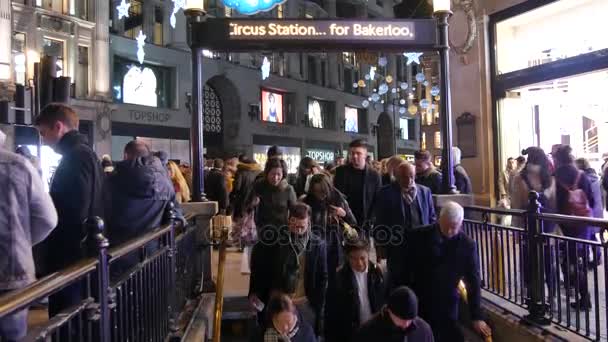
[291,155]
[550,78]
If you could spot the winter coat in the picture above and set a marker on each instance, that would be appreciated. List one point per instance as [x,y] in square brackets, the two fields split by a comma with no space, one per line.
[343,301]
[596,189]
[321,223]
[274,205]
[462,180]
[76,190]
[136,196]
[439,267]
[372,182]
[215,188]
[242,195]
[381,329]
[267,271]
[27,216]
[432,179]
[520,197]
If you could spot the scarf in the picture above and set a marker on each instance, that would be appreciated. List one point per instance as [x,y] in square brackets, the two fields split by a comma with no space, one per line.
[272,335]
[291,264]
[409,194]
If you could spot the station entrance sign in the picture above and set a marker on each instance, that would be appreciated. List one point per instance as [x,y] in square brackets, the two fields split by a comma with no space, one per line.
[346,35]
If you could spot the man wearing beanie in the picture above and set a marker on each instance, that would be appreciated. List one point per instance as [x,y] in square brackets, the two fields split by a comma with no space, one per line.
[398,321]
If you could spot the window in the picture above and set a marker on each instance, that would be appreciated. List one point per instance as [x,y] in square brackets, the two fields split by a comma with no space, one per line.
[351,119]
[348,58]
[437,139]
[403,126]
[280,13]
[51,47]
[82,76]
[540,36]
[147,85]
[19,58]
[158,26]
[321,114]
[134,23]
[312,70]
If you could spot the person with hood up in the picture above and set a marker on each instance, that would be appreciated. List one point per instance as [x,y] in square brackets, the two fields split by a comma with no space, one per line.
[27,216]
[274,196]
[461,177]
[307,168]
[397,321]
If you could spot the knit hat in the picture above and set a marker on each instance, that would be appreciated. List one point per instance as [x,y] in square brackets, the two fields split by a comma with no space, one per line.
[403,303]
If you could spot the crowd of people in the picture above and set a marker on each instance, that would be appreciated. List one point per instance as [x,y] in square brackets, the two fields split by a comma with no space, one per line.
[565,186]
[42,232]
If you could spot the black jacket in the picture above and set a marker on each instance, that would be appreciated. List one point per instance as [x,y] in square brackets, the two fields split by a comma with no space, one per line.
[343,301]
[320,212]
[266,268]
[440,265]
[215,188]
[381,329]
[241,197]
[136,196]
[462,180]
[76,191]
[343,181]
[431,179]
[275,202]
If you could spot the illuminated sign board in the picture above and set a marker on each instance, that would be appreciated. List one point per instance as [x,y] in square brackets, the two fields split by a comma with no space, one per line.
[297,34]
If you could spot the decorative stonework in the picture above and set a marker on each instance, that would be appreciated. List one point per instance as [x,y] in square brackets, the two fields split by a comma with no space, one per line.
[468,7]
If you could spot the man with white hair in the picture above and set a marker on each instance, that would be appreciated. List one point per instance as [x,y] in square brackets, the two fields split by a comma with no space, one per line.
[461,177]
[441,255]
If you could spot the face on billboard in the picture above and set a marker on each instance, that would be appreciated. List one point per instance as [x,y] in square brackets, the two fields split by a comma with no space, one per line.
[351,117]
[272,107]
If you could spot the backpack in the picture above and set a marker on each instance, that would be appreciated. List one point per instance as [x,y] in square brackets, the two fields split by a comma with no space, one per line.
[577,203]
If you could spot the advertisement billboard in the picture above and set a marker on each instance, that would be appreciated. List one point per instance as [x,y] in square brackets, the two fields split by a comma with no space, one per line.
[351,120]
[272,107]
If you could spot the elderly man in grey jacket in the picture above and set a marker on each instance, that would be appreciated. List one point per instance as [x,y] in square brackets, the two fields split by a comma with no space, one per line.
[27,216]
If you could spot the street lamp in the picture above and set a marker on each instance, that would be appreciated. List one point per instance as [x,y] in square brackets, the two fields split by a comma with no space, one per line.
[442,13]
[195,13]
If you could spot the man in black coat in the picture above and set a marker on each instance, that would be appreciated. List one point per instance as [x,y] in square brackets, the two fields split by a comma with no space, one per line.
[440,256]
[296,264]
[426,173]
[136,197]
[76,191]
[359,182]
[401,207]
[358,293]
[397,321]
[215,185]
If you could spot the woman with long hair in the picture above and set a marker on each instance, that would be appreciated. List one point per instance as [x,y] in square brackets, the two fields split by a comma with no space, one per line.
[182,190]
[329,211]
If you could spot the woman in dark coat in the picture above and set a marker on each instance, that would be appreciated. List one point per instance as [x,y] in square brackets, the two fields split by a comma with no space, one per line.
[329,210]
[569,178]
[274,197]
[346,309]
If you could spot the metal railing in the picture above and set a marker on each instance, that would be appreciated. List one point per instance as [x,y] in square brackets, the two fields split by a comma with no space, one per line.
[135,291]
[554,276]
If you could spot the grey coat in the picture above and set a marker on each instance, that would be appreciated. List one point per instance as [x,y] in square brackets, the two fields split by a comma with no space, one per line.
[27,216]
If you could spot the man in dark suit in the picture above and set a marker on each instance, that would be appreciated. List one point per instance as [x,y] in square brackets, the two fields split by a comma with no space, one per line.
[401,207]
[440,256]
[295,264]
[215,185]
[359,182]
